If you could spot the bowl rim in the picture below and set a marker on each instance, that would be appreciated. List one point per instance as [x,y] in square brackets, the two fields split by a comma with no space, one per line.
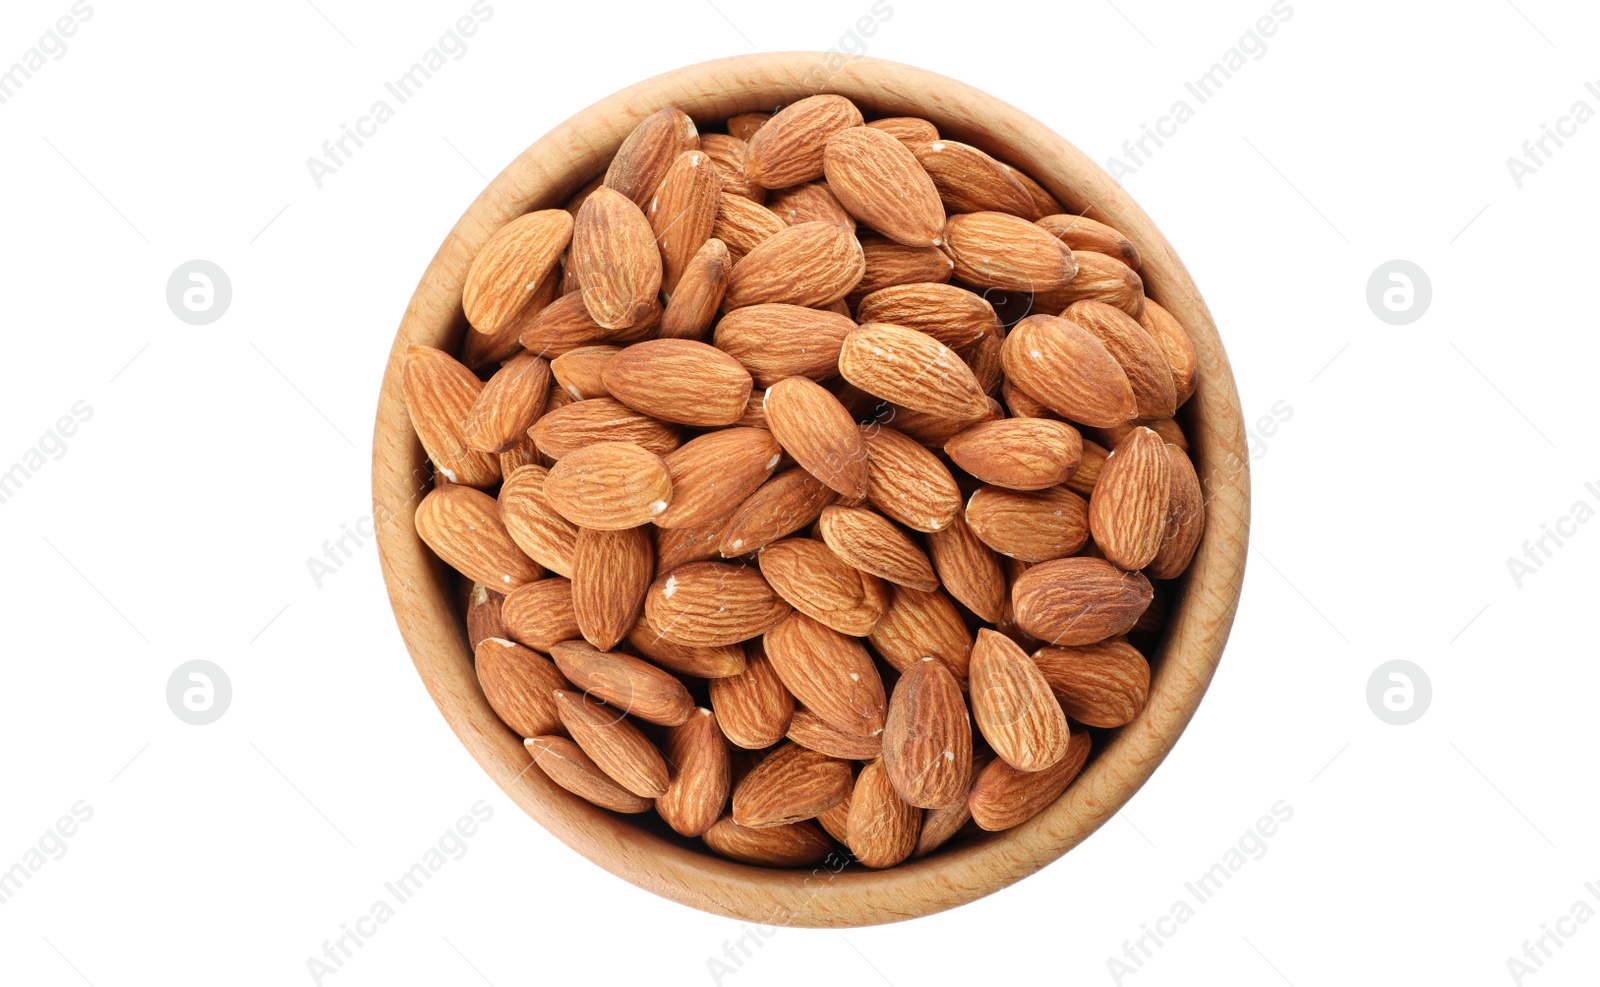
[424,600]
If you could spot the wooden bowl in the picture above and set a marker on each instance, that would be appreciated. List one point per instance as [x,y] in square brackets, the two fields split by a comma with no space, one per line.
[425,595]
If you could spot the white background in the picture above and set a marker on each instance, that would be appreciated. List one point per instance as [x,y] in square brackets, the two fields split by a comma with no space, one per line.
[218,459]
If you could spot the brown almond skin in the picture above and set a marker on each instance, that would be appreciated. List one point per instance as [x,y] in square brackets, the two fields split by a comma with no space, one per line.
[701,662]
[462,525]
[969,180]
[483,615]
[615,744]
[707,604]
[1176,346]
[1186,520]
[1140,357]
[728,154]
[1100,278]
[1004,797]
[743,224]
[910,131]
[1018,453]
[908,483]
[482,352]
[696,543]
[927,741]
[1031,525]
[1098,685]
[1083,233]
[1128,511]
[702,775]
[508,404]
[809,203]
[583,423]
[820,585]
[1079,600]
[774,341]
[536,527]
[880,182]
[634,687]
[949,313]
[934,431]
[831,673]
[615,260]
[439,394]
[518,682]
[698,295]
[969,570]
[836,822]
[578,372]
[918,625]
[788,149]
[568,766]
[612,571]
[753,707]
[1013,705]
[800,844]
[743,126]
[882,826]
[1064,367]
[1089,467]
[648,152]
[715,470]
[682,213]
[609,486]
[1044,204]
[812,264]
[784,504]
[507,272]
[813,427]
[871,542]
[540,615]
[565,324]
[911,369]
[683,381]
[998,250]
[814,733]
[889,263]
[983,357]
[789,785]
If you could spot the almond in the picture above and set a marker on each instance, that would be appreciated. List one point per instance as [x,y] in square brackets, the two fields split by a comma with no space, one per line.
[775,341]
[1031,525]
[462,526]
[1100,278]
[481,351]
[615,744]
[829,672]
[813,427]
[1019,453]
[983,357]
[1079,601]
[813,732]
[951,314]
[753,706]
[836,821]
[679,380]
[882,826]
[647,154]
[789,785]
[510,268]
[536,527]
[1088,472]
[927,741]
[715,470]
[788,149]
[918,625]
[609,485]
[611,571]
[871,542]
[1128,511]
[583,423]
[439,395]
[799,844]
[1044,204]
[939,825]
[711,662]
[519,683]
[879,181]
[907,482]
[565,324]
[998,250]
[632,686]
[969,569]
[743,126]
[578,371]
[683,212]
[1069,370]
[911,369]
[615,259]
[808,203]
[784,504]
[1175,345]
[540,615]
[888,263]
[820,585]
[1186,520]
[1098,685]
[1083,233]
[970,181]
[728,154]
[811,264]
[934,431]
[910,131]
[568,766]
[1013,705]
[483,615]
[701,775]
[694,303]
[713,603]
[1004,797]
[508,404]
[696,543]
[743,224]
[1140,358]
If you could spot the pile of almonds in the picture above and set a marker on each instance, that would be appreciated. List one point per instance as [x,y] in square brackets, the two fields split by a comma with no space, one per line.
[764,508]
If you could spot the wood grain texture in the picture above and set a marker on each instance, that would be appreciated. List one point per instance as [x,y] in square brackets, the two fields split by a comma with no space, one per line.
[422,592]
